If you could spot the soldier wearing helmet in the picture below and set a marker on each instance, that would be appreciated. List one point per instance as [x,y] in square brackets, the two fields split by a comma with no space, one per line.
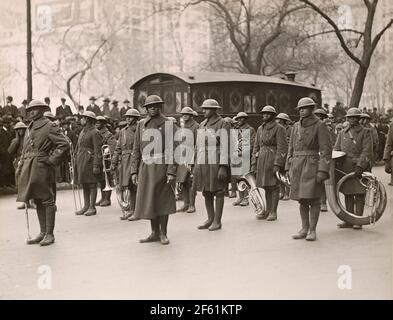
[121,160]
[152,171]
[356,142]
[44,148]
[184,175]
[107,139]
[88,159]
[243,146]
[388,153]
[308,163]
[269,154]
[212,178]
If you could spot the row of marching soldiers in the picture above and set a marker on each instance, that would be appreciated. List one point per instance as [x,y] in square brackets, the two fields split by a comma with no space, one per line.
[303,152]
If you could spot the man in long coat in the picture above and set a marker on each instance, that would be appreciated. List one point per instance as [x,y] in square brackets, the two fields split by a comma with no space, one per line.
[388,154]
[105,108]
[44,147]
[107,139]
[356,142]
[63,110]
[212,178]
[308,162]
[153,170]
[10,109]
[121,161]
[269,155]
[88,160]
[93,107]
[244,144]
[365,122]
[184,175]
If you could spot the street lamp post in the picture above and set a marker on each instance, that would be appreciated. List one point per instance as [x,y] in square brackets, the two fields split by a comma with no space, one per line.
[29,67]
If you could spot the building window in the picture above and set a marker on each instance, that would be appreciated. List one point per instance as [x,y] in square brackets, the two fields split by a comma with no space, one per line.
[250,103]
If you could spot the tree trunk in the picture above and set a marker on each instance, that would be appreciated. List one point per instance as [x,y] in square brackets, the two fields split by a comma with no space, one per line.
[358,88]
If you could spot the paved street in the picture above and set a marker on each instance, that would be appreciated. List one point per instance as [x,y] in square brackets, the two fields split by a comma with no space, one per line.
[99,257]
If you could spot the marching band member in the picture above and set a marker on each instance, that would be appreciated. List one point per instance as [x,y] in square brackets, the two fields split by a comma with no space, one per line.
[388,154]
[88,162]
[155,177]
[184,174]
[308,163]
[107,139]
[44,147]
[269,154]
[212,178]
[121,161]
[356,142]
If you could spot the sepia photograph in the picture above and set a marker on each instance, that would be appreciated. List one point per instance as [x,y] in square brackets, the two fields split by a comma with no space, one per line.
[196,151]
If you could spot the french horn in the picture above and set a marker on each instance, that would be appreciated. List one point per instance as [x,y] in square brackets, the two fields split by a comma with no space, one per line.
[376,198]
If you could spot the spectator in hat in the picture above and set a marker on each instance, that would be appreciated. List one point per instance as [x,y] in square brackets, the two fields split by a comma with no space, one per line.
[22,110]
[63,110]
[9,108]
[115,113]
[105,108]
[47,101]
[6,169]
[93,107]
[125,108]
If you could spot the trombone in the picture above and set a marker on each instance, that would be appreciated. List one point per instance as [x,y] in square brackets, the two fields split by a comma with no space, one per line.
[106,163]
[71,167]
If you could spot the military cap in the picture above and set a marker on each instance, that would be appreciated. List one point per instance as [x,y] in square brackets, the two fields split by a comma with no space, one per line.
[305,102]
[187,110]
[36,103]
[330,116]
[210,104]
[320,111]
[365,115]
[353,112]
[240,115]
[268,109]
[49,115]
[132,113]
[89,114]
[100,118]
[283,116]
[20,125]
[153,99]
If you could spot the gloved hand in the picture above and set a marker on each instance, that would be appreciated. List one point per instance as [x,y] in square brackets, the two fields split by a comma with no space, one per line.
[322,176]
[388,166]
[96,170]
[358,172]
[222,173]
[134,179]
[276,169]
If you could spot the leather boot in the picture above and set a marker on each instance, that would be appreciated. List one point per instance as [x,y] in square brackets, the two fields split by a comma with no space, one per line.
[239,200]
[216,225]
[209,204]
[315,209]
[86,200]
[274,199]
[50,226]
[304,215]
[92,209]
[323,201]
[21,207]
[106,200]
[154,236]
[268,199]
[192,195]
[98,203]
[163,229]
[359,208]
[132,206]
[42,222]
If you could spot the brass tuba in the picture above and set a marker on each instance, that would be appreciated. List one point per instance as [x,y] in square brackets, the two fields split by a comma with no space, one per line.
[247,182]
[122,195]
[376,198]
[106,162]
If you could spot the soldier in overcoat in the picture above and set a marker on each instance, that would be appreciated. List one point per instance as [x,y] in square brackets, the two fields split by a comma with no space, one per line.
[388,154]
[107,139]
[121,161]
[212,178]
[269,155]
[308,163]
[245,143]
[88,160]
[153,170]
[365,122]
[284,120]
[184,174]
[44,147]
[356,142]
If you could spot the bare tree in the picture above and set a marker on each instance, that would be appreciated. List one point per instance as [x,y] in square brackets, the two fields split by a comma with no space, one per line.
[369,43]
